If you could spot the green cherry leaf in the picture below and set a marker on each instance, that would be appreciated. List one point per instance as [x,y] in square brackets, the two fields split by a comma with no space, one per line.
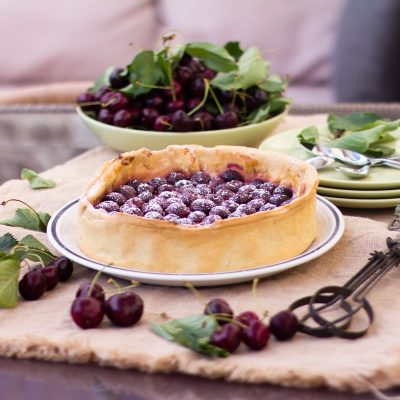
[274,84]
[259,115]
[215,57]
[277,105]
[28,219]
[144,73]
[251,68]
[352,122]
[227,81]
[308,136]
[31,242]
[9,272]
[36,181]
[36,249]
[251,72]
[234,49]
[175,54]
[7,242]
[165,66]
[364,140]
[192,332]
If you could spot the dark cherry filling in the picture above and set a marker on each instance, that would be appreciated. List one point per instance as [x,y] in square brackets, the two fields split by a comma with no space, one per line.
[196,199]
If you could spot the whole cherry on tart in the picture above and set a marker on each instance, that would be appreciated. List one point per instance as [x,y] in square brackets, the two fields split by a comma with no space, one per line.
[184,221]
[200,177]
[108,206]
[175,176]
[224,196]
[116,198]
[127,191]
[211,219]
[230,175]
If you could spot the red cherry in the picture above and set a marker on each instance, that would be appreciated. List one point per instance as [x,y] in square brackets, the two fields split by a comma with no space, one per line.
[87,312]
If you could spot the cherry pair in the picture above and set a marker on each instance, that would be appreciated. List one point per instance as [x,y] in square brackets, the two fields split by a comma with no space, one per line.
[122,309]
[247,327]
[36,281]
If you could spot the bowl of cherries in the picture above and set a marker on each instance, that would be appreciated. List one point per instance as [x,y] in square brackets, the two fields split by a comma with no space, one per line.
[193,93]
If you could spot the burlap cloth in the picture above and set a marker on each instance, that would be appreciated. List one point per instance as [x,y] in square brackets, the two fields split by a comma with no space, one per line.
[44,330]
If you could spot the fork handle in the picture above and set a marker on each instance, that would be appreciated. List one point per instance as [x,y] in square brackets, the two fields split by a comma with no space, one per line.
[386,162]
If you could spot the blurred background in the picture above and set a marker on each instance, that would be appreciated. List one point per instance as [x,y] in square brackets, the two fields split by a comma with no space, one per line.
[333,51]
[337,50]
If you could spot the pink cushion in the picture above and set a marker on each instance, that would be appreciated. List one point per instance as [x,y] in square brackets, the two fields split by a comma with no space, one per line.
[296,35]
[50,40]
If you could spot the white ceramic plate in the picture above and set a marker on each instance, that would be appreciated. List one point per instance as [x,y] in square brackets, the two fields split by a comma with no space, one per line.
[360,194]
[62,233]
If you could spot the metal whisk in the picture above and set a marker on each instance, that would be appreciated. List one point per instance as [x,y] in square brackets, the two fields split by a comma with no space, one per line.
[349,299]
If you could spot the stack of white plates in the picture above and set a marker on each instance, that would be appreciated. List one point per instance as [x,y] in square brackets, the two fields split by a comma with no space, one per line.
[380,189]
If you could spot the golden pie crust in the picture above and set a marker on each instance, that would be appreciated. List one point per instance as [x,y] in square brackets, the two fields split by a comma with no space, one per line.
[233,244]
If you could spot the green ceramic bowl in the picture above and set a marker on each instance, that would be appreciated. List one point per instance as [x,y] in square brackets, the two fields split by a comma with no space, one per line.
[124,139]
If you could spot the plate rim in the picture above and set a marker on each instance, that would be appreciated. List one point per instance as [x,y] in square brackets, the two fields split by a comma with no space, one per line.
[382,203]
[363,194]
[211,279]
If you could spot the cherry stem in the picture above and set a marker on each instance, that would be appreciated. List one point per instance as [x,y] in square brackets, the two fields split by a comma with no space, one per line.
[25,264]
[195,293]
[145,85]
[118,288]
[167,124]
[162,315]
[217,103]
[109,102]
[203,100]
[90,103]
[234,97]
[221,317]
[94,280]
[171,81]
[41,222]
[254,287]
[38,258]
[168,38]
[264,315]
[116,284]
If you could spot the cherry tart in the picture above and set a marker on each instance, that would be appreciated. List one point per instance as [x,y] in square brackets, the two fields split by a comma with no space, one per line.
[190,209]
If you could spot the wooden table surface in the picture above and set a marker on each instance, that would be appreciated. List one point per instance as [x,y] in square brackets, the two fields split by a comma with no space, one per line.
[34,380]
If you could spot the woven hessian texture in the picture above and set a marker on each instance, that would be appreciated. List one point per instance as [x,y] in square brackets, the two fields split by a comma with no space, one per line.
[44,330]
